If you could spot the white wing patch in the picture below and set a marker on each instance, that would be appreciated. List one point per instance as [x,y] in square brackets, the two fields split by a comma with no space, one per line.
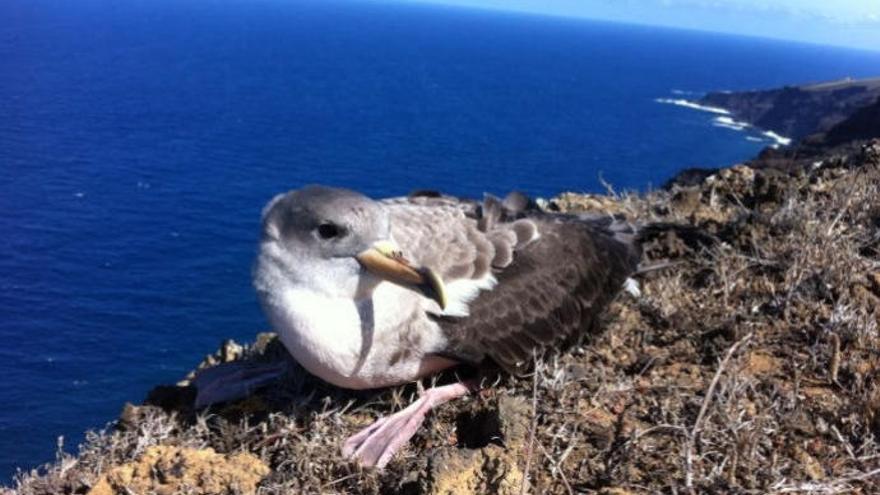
[460,293]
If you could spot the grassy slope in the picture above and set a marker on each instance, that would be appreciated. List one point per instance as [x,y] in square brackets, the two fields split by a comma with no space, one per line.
[749,365]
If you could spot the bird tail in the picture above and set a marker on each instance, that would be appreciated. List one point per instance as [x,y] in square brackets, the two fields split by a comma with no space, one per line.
[618,227]
[637,237]
[638,234]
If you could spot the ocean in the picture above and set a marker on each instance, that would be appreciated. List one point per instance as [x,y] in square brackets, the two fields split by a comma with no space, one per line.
[140,139]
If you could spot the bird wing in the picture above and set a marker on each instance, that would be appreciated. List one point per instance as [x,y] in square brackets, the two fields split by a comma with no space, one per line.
[523,280]
[454,237]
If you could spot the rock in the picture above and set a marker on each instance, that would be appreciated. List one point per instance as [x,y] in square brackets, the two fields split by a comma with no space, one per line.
[874,283]
[809,464]
[599,425]
[133,416]
[871,152]
[230,351]
[689,177]
[167,470]
[718,199]
[762,363]
[615,491]
[574,203]
[515,417]
[798,111]
[489,468]
[172,397]
[770,186]
[863,124]
[736,178]
[263,342]
[268,347]
[686,199]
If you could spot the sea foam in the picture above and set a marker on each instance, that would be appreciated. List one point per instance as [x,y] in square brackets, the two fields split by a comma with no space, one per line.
[729,123]
[689,104]
[784,141]
[726,121]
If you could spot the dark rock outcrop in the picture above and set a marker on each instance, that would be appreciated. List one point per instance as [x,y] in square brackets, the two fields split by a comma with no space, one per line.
[847,144]
[864,124]
[798,111]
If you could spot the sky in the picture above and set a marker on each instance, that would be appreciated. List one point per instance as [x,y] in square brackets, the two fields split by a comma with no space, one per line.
[849,23]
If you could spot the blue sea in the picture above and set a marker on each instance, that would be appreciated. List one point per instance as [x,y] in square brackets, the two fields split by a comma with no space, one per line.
[140,139]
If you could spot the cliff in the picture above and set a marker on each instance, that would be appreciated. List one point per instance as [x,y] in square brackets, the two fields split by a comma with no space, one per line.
[838,143]
[749,364]
[798,111]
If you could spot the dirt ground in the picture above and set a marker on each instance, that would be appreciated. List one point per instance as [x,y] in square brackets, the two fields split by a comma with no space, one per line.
[749,364]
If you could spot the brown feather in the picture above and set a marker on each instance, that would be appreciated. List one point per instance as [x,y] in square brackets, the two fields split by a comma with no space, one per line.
[555,273]
[554,290]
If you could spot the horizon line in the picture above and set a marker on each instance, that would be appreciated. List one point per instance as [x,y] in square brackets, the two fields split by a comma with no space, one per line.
[580,17]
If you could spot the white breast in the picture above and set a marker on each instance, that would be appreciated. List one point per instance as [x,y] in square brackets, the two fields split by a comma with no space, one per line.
[370,343]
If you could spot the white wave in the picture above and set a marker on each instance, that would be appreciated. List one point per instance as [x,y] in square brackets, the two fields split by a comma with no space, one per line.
[724,120]
[736,125]
[729,123]
[755,139]
[681,92]
[784,141]
[731,127]
[692,105]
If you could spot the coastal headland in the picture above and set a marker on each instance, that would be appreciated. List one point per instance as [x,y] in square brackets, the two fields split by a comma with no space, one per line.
[798,111]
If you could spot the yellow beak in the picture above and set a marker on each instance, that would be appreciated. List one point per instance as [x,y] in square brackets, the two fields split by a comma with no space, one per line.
[385,260]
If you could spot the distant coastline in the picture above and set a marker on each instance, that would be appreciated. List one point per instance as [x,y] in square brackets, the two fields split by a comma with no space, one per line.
[798,111]
[828,122]
[725,120]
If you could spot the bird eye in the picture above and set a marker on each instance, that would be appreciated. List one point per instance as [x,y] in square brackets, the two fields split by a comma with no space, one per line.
[328,231]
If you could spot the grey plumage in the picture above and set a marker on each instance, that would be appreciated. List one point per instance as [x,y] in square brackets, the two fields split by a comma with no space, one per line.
[367,294]
[549,290]
[519,280]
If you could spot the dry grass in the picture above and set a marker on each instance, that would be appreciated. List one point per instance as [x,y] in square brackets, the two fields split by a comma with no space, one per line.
[749,365]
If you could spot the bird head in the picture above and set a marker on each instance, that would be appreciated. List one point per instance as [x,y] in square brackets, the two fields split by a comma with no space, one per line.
[337,242]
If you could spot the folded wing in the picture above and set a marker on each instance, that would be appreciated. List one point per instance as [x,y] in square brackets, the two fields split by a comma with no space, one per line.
[520,280]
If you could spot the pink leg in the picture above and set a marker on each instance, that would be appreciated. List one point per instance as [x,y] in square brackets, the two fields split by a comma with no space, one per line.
[377,443]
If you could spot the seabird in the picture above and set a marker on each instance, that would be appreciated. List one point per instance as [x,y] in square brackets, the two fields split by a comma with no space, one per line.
[373,293]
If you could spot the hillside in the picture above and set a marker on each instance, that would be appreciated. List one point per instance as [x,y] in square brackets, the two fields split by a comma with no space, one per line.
[748,365]
[798,111]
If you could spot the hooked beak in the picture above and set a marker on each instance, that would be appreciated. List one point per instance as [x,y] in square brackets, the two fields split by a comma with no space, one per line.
[385,260]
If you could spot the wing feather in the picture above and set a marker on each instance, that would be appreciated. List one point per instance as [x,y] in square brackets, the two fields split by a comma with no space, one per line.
[555,273]
[554,290]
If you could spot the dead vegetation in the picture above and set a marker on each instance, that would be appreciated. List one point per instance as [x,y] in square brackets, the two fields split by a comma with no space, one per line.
[749,364]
